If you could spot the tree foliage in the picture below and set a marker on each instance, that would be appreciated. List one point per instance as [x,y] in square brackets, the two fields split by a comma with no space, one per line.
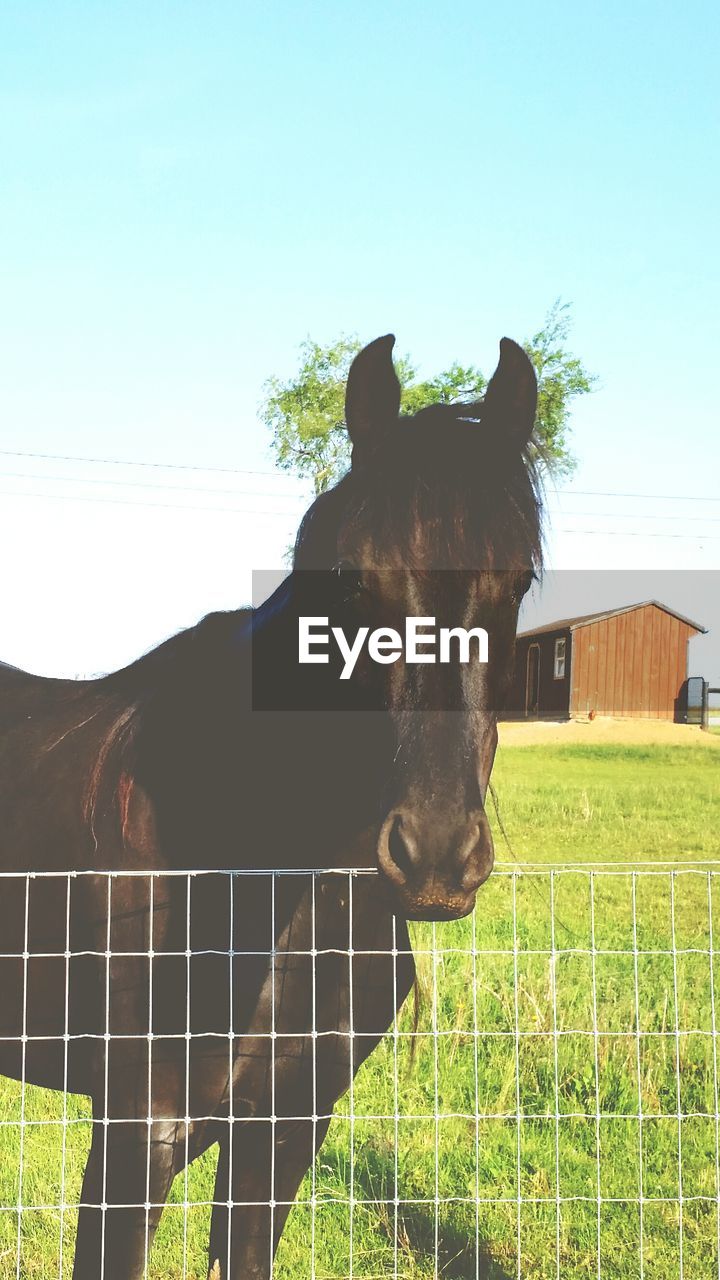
[306,415]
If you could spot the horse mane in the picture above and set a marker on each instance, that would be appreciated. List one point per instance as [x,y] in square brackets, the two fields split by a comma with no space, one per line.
[475,498]
[180,651]
[131,690]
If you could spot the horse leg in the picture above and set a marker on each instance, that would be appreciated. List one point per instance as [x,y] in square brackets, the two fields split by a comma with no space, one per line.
[130,1167]
[243,1239]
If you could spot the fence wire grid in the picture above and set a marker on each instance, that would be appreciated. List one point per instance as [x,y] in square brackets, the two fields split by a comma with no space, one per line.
[544,1104]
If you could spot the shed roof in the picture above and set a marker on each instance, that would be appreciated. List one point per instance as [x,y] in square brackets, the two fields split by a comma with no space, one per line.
[585,619]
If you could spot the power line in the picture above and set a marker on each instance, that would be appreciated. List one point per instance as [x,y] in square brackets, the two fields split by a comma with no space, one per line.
[662,497]
[124,462]
[240,471]
[255,511]
[257,493]
[638,533]
[124,502]
[147,484]
[640,515]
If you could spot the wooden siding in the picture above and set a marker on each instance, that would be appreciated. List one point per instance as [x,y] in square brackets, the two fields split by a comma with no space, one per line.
[632,664]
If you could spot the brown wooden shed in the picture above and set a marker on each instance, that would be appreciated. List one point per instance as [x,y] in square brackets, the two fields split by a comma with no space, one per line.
[631,661]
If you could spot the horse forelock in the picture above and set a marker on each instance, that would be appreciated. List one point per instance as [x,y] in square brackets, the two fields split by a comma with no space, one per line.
[442,492]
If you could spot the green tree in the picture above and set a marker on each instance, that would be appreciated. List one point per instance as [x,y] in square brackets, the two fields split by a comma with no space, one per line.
[306,415]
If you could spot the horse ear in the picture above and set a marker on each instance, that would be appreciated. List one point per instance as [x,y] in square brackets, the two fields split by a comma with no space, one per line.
[511,397]
[372,396]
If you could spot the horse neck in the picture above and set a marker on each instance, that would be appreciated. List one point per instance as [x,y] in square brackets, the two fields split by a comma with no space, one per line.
[282,784]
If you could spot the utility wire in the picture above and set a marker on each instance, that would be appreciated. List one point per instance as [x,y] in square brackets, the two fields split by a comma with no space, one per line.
[257,493]
[253,511]
[639,533]
[125,502]
[148,484]
[240,471]
[662,497]
[120,462]
[639,515]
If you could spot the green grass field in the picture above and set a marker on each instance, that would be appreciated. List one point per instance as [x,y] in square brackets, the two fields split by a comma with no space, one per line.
[536,1085]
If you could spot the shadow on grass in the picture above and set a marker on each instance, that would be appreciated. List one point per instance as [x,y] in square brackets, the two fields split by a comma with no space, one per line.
[456,1248]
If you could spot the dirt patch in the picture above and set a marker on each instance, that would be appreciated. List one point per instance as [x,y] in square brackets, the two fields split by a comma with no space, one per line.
[529,733]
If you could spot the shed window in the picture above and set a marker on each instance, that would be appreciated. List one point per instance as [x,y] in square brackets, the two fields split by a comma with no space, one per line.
[559,669]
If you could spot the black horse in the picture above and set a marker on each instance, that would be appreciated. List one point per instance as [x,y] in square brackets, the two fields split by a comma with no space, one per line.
[235,1008]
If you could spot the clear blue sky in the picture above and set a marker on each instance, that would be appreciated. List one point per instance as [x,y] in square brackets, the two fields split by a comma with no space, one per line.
[188,190]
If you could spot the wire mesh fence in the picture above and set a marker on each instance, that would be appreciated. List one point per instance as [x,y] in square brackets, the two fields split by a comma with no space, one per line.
[544,1104]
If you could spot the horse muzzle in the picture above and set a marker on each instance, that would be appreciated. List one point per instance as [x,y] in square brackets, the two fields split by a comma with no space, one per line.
[434,869]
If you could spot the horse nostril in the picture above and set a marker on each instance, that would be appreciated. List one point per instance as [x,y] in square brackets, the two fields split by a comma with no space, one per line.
[398,853]
[397,847]
[475,855]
